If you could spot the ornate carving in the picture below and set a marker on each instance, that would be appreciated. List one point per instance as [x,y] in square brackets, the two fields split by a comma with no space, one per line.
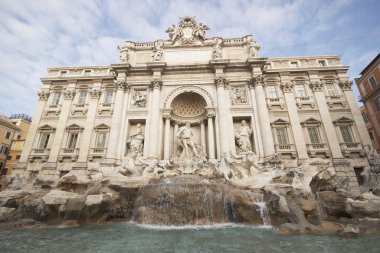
[69,94]
[121,84]
[221,82]
[94,93]
[207,97]
[217,49]
[135,141]
[139,98]
[254,48]
[239,96]
[256,80]
[187,31]
[155,84]
[157,50]
[345,85]
[287,87]
[316,86]
[124,54]
[44,95]
[242,137]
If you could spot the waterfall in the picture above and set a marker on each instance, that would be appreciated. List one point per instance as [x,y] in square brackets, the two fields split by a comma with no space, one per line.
[258,200]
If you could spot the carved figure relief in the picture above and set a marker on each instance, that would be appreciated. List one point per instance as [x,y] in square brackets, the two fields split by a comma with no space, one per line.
[239,96]
[217,49]
[158,51]
[243,138]
[135,142]
[124,54]
[188,31]
[139,99]
[254,48]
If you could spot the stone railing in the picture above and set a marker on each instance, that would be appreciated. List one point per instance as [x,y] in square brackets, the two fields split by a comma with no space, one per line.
[97,153]
[71,153]
[82,108]
[349,148]
[105,107]
[52,109]
[336,100]
[318,148]
[42,153]
[286,149]
[275,102]
[301,101]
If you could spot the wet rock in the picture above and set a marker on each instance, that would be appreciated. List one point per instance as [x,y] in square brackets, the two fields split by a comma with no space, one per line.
[350,229]
[330,227]
[324,181]
[57,197]
[367,205]
[10,198]
[45,182]
[6,213]
[334,203]
[309,207]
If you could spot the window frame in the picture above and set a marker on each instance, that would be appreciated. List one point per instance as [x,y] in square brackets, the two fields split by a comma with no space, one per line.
[297,91]
[372,82]
[56,98]
[8,135]
[269,92]
[108,97]
[82,99]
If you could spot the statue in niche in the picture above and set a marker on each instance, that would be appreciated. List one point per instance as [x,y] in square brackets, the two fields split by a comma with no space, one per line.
[217,49]
[186,140]
[243,136]
[157,51]
[135,141]
[124,57]
[139,99]
[239,96]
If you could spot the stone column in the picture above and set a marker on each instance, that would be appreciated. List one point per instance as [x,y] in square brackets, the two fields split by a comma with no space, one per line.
[89,125]
[257,132]
[167,138]
[358,119]
[287,89]
[203,135]
[210,134]
[154,117]
[68,96]
[221,83]
[123,132]
[265,127]
[116,122]
[329,128]
[175,140]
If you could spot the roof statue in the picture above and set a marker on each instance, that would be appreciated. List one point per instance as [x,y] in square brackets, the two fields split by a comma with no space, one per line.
[187,32]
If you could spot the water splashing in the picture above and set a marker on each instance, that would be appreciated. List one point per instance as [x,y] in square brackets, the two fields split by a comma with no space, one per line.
[258,200]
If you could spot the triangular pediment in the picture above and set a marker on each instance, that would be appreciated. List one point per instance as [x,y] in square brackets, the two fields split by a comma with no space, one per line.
[280,122]
[46,128]
[102,126]
[74,127]
[311,121]
[343,120]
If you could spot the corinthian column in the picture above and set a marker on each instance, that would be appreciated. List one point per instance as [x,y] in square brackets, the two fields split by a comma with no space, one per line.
[221,83]
[257,133]
[203,135]
[167,138]
[265,128]
[287,89]
[154,118]
[210,134]
[116,122]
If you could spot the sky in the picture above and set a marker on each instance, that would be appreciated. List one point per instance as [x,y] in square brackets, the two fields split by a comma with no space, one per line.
[39,34]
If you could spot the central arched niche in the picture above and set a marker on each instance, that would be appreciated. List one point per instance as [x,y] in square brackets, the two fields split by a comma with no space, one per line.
[188,106]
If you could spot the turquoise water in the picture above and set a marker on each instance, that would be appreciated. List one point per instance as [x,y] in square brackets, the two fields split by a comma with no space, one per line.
[128,237]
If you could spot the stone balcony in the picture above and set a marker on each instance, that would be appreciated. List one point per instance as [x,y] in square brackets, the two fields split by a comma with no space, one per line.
[105,107]
[52,109]
[305,101]
[286,149]
[275,102]
[352,148]
[81,108]
[71,153]
[336,100]
[97,153]
[313,149]
[39,153]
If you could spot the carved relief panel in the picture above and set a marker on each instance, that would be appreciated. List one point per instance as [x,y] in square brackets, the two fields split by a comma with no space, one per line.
[139,99]
[239,95]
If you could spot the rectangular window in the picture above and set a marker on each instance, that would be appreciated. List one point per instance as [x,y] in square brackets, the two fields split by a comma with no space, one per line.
[87,72]
[72,141]
[373,82]
[18,137]
[371,135]
[331,91]
[108,97]
[294,64]
[322,63]
[82,97]
[18,157]
[56,97]
[346,134]
[282,137]
[44,140]
[300,90]
[8,135]
[4,150]
[63,73]
[271,91]
[9,157]
[101,141]
[365,117]
[313,135]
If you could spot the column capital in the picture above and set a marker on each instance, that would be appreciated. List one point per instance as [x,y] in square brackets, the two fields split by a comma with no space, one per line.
[316,86]
[256,81]
[287,87]
[69,94]
[43,95]
[94,93]
[155,84]
[345,85]
[221,82]
[122,85]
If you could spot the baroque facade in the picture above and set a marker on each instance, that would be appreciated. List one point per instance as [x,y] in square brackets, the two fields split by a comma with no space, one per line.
[193,100]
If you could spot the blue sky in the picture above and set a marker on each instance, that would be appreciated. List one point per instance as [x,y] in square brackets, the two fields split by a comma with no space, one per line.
[38,34]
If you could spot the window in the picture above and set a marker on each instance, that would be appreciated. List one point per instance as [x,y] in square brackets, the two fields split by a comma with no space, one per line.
[346,134]
[9,157]
[271,91]
[322,63]
[18,157]
[44,140]
[108,97]
[4,150]
[365,117]
[300,90]
[8,135]
[281,135]
[294,64]
[56,97]
[18,137]
[87,72]
[72,141]
[373,82]
[82,97]
[371,135]
[101,140]
[63,73]
[377,101]
[314,135]
[331,90]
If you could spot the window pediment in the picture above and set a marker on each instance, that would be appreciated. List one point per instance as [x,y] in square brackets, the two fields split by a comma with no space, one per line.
[46,128]
[102,127]
[74,127]
[311,121]
[343,121]
[279,122]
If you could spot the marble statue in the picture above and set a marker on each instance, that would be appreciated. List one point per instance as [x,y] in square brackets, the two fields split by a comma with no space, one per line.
[139,99]
[135,141]
[243,138]
[157,51]
[174,33]
[217,49]
[239,96]
[186,140]
[200,31]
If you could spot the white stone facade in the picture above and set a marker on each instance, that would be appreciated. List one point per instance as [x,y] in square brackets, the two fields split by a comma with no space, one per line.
[296,107]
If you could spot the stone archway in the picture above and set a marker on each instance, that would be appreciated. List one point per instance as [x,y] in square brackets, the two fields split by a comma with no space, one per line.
[188,106]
